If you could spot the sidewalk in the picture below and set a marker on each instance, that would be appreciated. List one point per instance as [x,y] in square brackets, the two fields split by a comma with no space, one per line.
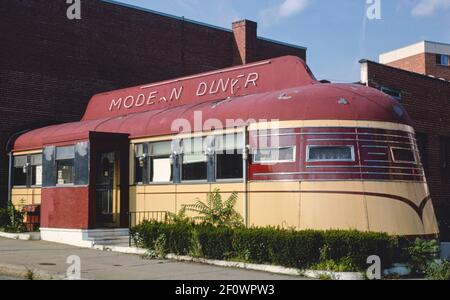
[50,259]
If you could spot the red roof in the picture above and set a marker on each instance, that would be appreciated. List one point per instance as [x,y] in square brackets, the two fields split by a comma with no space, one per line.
[284,90]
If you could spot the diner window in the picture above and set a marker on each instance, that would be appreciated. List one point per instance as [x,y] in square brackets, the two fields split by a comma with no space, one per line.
[139,165]
[65,157]
[274,155]
[403,155]
[229,158]
[153,163]
[160,162]
[36,170]
[20,171]
[194,163]
[330,153]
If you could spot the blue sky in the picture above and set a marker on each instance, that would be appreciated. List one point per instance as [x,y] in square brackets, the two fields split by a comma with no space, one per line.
[337,33]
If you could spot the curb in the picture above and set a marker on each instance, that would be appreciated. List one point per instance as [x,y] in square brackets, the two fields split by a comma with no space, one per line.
[272,269]
[32,236]
[20,272]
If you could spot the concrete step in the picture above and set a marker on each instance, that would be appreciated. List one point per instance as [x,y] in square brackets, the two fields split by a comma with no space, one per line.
[101,233]
[112,240]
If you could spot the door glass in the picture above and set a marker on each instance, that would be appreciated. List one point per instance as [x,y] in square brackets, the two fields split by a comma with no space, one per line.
[105,186]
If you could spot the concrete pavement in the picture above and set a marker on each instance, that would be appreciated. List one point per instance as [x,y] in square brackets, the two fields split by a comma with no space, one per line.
[50,260]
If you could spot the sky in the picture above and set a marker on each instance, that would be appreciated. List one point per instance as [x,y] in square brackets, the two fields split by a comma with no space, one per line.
[337,33]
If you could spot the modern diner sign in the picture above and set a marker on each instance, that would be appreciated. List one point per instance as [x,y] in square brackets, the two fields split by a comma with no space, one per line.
[154,95]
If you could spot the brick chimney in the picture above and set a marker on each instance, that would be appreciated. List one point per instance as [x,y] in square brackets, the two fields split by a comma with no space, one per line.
[244,44]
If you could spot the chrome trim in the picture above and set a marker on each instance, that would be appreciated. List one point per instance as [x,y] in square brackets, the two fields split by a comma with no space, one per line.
[262,163]
[337,180]
[333,173]
[380,154]
[377,161]
[352,148]
[362,166]
[360,140]
[375,146]
[413,151]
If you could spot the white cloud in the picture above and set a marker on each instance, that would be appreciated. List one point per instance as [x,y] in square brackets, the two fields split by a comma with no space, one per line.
[285,9]
[429,7]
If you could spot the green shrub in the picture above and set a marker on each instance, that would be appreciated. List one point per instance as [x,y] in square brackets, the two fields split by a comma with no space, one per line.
[177,236]
[422,254]
[438,271]
[359,246]
[214,242]
[331,250]
[344,264]
[290,248]
[11,220]
[217,212]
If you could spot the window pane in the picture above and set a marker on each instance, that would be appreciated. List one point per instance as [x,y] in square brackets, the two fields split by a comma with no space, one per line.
[36,175]
[161,149]
[19,177]
[65,152]
[36,160]
[194,167]
[405,155]
[229,166]
[344,153]
[229,142]
[286,154]
[65,171]
[20,161]
[139,171]
[161,170]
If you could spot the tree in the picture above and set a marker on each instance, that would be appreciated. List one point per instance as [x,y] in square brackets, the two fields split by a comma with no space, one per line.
[217,212]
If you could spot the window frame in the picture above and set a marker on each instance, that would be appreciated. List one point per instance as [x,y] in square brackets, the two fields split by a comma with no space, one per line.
[238,179]
[258,162]
[27,185]
[351,147]
[181,161]
[415,162]
[28,174]
[440,58]
[31,168]
[65,159]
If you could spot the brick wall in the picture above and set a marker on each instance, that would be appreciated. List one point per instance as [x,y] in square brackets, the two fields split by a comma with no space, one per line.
[414,63]
[428,102]
[51,66]
[423,63]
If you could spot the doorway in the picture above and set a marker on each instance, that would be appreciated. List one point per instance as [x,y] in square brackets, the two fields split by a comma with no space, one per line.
[106,200]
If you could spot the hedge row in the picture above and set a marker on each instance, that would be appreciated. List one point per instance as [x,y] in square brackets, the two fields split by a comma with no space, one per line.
[289,248]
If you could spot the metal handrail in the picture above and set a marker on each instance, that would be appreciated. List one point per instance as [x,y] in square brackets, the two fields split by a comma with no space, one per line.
[137,217]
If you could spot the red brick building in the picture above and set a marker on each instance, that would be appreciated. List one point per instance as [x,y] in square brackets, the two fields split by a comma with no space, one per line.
[419,77]
[50,66]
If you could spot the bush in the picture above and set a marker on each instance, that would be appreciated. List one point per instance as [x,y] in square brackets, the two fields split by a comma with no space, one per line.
[217,212]
[359,246]
[288,248]
[422,254]
[333,250]
[11,220]
[177,236]
[438,271]
[214,242]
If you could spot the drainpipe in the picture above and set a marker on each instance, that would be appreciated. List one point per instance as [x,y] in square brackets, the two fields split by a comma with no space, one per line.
[245,175]
[10,166]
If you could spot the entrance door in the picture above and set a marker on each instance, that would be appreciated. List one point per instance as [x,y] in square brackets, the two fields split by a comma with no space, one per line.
[105,189]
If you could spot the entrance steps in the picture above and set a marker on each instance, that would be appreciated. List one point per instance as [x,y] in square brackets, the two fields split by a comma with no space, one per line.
[109,237]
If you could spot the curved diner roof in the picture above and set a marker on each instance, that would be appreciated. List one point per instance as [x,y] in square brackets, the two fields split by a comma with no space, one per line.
[305,99]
